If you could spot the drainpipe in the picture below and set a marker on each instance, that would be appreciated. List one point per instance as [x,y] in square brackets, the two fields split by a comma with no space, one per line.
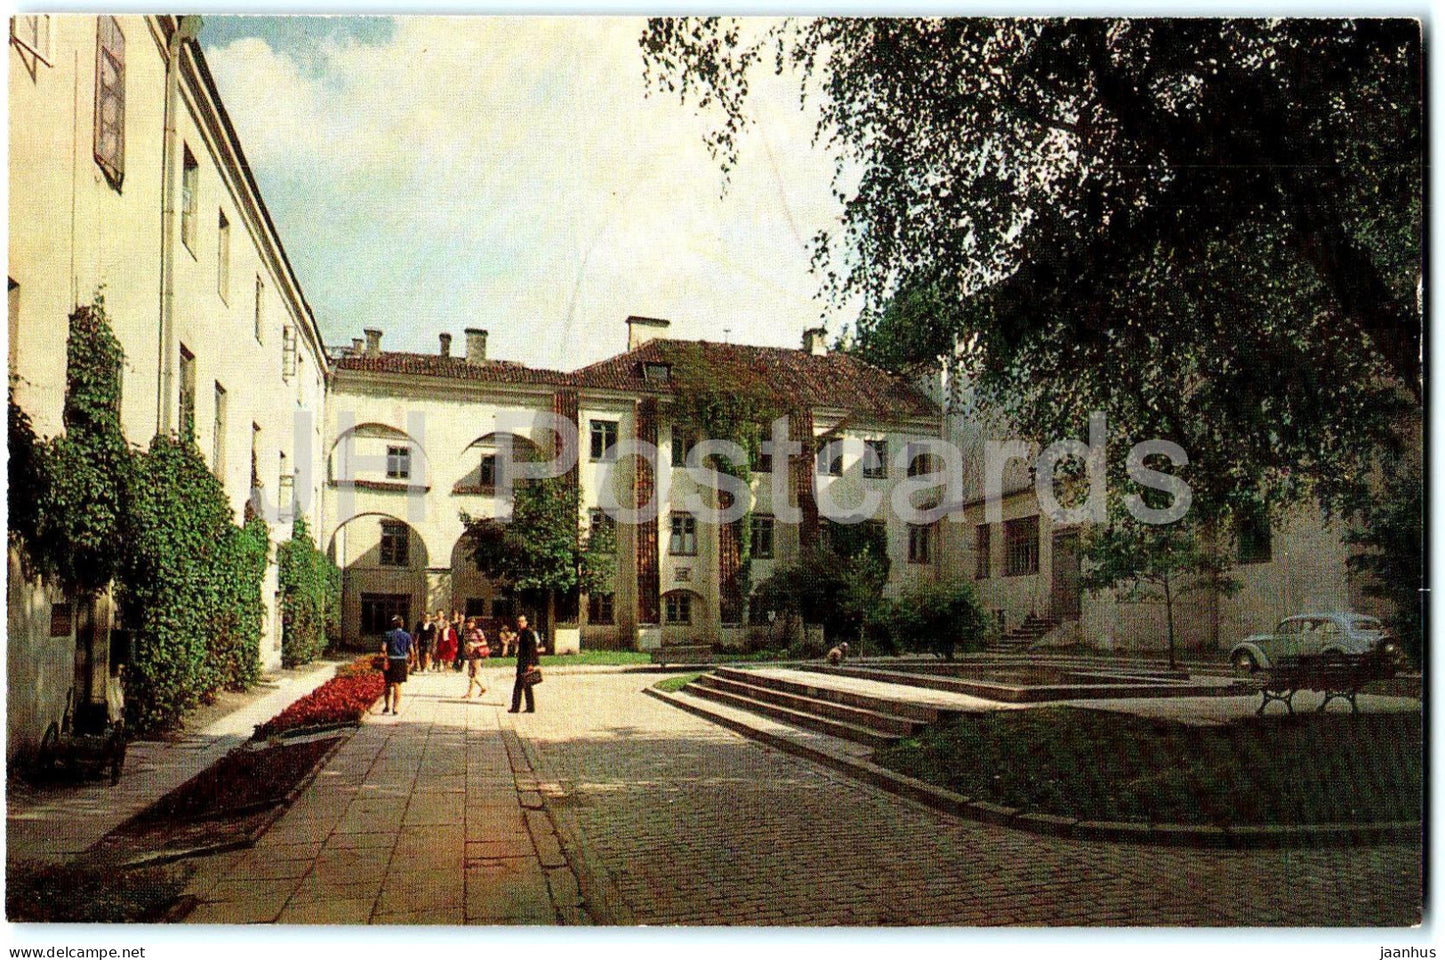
[183,29]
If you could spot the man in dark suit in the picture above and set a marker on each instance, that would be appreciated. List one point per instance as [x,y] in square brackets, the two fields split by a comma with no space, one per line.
[529,650]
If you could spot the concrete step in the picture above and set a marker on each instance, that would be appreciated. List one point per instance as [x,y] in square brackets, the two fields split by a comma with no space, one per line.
[859,716]
[835,728]
[893,706]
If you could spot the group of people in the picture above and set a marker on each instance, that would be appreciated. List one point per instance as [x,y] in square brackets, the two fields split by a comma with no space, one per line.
[439,642]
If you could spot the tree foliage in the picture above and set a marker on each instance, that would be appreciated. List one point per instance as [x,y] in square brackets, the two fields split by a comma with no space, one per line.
[310,586]
[542,548]
[1154,563]
[1208,229]
[1392,535]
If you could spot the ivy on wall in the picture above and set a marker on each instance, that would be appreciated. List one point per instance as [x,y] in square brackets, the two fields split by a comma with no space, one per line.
[310,586]
[89,513]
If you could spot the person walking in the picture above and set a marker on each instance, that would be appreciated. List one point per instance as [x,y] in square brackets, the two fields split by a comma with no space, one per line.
[446,643]
[425,641]
[529,650]
[477,650]
[396,648]
[459,628]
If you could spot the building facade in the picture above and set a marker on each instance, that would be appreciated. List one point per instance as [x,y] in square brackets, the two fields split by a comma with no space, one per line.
[128,183]
[417,440]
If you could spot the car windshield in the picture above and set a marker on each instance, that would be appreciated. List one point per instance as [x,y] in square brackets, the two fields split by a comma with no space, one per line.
[1366,625]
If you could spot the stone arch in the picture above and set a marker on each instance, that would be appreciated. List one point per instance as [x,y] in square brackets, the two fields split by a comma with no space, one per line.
[380,574]
[370,440]
[479,478]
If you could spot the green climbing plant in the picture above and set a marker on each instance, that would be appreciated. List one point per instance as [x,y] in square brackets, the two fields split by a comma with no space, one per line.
[310,586]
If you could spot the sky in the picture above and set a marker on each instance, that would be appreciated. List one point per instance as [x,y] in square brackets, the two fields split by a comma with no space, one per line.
[432,174]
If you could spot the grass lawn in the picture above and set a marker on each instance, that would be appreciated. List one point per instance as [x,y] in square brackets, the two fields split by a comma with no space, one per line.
[1096,765]
[674,684]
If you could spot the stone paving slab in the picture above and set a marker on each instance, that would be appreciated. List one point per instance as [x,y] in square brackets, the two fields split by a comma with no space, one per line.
[58,824]
[689,823]
[430,828]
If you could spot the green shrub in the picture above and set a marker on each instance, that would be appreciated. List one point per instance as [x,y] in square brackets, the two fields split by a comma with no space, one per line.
[310,586]
[939,618]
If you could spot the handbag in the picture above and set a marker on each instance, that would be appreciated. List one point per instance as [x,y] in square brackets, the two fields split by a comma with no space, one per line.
[531,676]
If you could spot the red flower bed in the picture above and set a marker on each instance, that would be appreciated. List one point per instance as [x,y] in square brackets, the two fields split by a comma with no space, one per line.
[342,699]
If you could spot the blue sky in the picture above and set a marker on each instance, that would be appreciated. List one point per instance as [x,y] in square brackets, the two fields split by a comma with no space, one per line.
[431,174]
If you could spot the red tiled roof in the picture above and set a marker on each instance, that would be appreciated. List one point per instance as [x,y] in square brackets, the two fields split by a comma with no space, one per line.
[452,368]
[827,380]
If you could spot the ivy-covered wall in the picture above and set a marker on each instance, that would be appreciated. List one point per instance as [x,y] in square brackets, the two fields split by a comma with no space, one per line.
[88,513]
[310,586]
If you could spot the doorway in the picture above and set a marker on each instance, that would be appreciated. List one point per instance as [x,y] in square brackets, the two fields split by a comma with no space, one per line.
[1066,576]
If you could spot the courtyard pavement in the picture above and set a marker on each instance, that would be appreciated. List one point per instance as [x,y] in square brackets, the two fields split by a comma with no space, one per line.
[56,825]
[457,812]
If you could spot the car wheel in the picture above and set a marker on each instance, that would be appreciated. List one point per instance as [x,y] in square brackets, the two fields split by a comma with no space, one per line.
[1244,662]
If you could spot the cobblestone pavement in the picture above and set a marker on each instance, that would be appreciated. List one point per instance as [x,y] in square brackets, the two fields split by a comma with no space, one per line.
[673,820]
[429,817]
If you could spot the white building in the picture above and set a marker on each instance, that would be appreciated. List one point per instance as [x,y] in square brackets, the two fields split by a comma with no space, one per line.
[127,180]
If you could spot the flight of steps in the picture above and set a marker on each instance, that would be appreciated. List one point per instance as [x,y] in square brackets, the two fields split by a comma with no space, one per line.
[862,718]
[1023,636]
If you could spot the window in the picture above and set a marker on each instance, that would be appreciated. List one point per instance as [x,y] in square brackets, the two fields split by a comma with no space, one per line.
[681,444]
[377,609]
[920,461]
[684,534]
[1021,547]
[604,439]
[830,459]
[285,487]
[31,31]
[502,608]
[600,608]
[255,457]
[982,548]
[188,396]
[762,542]
[62,619]
[223,255]
[110,100]
[218,435]
[1252,537]
[260,310]
[679,608]
[394,542]
[878,470]
[603,524]
[190,183]
[920,544]
[487,472]
[398,463]
[763,462]
[657,372]
[13,292]
[288,351]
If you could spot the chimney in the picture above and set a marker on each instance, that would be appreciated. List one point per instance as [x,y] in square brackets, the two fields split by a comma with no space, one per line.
[476,346]
[642,329]
[373,343]
[355,346]
[813,341]
[446,339]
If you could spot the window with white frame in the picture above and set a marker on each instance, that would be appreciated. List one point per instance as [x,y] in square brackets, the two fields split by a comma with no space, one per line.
[288,351]
[218,435]
[395,541]
[398,463]
[684,535]
[1021,546]
[601,608]
[259,310]
[679,608]
[761,547]
[604,439]
[223,255]
[31,32]
[110,99]
[190,197]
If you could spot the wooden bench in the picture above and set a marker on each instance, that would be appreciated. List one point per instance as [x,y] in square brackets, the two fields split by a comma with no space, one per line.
[1334,675]
[679,653]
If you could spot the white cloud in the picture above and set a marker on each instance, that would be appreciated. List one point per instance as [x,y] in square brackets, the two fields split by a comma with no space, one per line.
[510,173]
